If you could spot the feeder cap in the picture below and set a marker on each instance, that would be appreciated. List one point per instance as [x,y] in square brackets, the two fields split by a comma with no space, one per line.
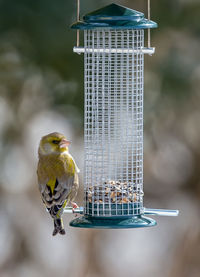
[115,17]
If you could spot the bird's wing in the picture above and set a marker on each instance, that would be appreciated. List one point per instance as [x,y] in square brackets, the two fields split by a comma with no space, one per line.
[56,188]
[70,186]
[42,187]
[56,191]
[76,167]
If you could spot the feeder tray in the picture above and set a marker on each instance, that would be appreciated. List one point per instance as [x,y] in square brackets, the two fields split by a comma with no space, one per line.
[112,223]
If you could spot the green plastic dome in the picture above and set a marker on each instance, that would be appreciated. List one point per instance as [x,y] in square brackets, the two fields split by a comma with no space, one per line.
[116,17]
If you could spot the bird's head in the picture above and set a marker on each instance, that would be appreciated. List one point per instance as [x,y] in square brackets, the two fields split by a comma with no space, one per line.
[54,143]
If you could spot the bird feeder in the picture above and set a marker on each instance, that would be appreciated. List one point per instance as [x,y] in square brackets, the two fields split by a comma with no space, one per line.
[113,118]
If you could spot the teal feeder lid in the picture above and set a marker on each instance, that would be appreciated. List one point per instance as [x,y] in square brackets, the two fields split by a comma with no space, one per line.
[115,17]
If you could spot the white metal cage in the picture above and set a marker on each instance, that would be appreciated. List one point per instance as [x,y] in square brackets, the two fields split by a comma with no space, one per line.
[113,122]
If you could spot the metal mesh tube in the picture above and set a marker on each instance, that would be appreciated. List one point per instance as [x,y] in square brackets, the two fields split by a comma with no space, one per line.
[113,123]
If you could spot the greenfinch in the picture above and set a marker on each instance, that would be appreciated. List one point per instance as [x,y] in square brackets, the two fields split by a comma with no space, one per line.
[57,177]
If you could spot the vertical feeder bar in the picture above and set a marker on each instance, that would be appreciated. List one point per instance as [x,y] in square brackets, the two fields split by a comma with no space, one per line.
[113,118]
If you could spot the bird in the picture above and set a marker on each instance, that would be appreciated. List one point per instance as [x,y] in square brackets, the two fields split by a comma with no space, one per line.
[57,177]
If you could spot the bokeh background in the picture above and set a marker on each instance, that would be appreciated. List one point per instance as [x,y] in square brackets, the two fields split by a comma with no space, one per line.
[41,90]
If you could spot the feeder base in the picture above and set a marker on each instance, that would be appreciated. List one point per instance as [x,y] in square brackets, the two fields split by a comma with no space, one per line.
[112,222]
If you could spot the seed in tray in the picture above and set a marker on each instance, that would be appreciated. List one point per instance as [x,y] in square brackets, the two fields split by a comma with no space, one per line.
[113,200]
[112,195]
[124,200]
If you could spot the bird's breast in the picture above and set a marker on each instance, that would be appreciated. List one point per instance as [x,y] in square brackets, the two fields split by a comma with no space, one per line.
[56,166]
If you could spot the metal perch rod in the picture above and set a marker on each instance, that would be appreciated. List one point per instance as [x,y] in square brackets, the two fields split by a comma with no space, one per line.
[161,212]
[70,210]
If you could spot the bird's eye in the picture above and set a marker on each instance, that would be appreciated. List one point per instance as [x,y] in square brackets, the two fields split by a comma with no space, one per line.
[55,141]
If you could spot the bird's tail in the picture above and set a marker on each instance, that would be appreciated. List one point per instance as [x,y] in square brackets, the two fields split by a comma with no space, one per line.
[58,226]
[56,213]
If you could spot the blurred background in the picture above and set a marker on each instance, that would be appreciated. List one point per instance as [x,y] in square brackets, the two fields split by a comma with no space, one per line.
[41,90]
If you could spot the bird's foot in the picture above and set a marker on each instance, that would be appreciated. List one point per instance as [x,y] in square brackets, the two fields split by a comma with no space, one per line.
[74,206]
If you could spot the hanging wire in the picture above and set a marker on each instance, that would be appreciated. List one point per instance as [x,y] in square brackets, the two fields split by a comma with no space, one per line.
[149,16]
[78,19]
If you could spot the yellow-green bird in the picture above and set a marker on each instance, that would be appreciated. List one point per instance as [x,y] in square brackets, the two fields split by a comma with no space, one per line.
[57,177]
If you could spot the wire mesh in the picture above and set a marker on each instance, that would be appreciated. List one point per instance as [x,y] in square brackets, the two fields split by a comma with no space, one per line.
[113,123]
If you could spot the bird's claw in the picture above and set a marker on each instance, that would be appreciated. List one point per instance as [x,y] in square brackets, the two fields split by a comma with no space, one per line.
[74,206]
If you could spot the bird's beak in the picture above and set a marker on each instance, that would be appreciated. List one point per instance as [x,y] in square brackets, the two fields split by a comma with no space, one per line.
[64,143]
